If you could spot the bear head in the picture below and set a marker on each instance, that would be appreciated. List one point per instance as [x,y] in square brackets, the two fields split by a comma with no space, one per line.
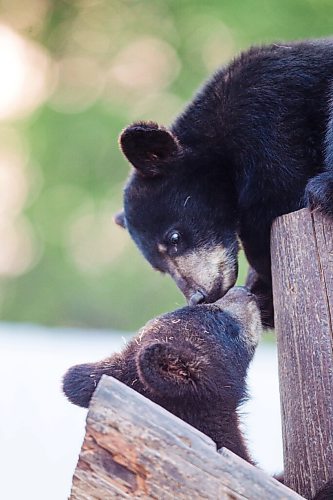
[182,225]
[193,362]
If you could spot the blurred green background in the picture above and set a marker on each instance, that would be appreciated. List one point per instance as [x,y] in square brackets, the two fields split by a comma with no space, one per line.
[73,74]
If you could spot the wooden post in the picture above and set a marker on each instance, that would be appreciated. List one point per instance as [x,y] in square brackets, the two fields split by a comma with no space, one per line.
[136,449]
[302,271]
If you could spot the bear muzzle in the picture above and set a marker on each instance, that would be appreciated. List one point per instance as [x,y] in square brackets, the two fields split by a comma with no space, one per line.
[242,305]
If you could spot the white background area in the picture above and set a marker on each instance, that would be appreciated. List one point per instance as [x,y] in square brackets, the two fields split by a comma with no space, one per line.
[41,433]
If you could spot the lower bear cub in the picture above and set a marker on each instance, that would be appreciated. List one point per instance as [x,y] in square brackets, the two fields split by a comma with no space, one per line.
[193,362]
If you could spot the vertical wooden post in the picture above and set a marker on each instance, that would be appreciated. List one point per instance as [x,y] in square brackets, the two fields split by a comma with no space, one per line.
[302,272]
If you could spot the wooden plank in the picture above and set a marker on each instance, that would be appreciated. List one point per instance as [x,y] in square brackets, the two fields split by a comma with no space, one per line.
[302,272]
[135,449]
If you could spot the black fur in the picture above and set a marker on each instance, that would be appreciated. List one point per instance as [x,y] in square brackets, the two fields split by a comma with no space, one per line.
[256,142]
[193,362]
[326,493]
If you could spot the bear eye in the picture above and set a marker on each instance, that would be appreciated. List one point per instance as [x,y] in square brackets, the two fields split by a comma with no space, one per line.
[174,238]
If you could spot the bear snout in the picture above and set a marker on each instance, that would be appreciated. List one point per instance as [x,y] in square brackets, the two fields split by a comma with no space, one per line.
[239,294]
[242,305]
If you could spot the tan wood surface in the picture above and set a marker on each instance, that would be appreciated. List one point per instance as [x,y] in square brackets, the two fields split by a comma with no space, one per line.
[136,449]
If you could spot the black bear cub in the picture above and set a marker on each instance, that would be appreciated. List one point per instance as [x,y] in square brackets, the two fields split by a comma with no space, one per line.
[193,362]
[256,142]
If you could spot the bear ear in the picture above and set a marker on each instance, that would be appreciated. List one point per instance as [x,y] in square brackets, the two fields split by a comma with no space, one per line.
[79,383]
[169,371]
[119,219]
[148,147]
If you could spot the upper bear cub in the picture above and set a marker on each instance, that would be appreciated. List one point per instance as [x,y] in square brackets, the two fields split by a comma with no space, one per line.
[193,362]
[255,142]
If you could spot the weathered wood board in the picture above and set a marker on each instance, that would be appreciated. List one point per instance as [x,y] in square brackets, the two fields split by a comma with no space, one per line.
[136,449]
[302,272]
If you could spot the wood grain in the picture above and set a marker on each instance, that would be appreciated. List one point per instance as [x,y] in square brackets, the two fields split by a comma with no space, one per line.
[136,449]
[302,272]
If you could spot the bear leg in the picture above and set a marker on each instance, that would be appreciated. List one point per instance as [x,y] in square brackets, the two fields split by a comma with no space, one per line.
[264,296]
[319,190]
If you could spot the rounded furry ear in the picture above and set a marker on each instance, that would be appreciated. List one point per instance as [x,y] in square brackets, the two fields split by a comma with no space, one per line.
[79,383]
[148,147]
[169,371]
[119,219]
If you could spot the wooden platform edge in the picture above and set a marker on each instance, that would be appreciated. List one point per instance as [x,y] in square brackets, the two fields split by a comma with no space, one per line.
[133,448]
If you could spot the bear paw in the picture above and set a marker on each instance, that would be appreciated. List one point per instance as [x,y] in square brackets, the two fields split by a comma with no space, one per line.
[319,193]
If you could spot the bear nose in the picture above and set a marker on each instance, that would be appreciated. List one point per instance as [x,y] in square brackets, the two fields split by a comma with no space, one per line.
[197,298]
